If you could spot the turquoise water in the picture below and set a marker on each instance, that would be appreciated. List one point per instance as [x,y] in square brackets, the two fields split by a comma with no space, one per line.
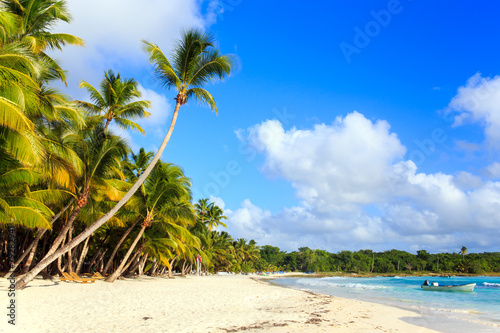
[478,311]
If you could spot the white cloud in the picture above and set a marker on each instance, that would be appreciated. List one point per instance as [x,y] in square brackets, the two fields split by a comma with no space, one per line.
[358,192]
[479,101]
[331,166]
[113,31]
[217,201]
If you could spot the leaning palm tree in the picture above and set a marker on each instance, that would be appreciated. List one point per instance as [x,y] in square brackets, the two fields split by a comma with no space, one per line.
[115,101]
[196,62]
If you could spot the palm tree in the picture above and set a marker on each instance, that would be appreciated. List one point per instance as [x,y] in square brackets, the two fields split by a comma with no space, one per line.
[101,157]
[115,102]
[25,67]
[463,252]
[196,62]
[133,169]
[166,199]
[209,215]
[36,19]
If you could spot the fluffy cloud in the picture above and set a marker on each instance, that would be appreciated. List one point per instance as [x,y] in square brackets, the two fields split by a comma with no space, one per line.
[358,191]
[331,166]
[479,101]
[113,31]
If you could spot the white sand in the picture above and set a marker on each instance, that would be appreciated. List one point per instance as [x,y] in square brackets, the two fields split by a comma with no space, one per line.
[192,304]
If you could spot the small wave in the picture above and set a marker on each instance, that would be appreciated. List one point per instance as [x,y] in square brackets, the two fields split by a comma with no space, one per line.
[491,285]
[326,283]
[438,310]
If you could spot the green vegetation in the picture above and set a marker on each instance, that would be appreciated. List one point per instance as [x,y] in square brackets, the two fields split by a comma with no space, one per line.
[387,262]
[73,195]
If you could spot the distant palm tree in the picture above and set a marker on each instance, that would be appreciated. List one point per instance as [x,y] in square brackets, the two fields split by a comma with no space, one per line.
[196,62]
[209,215]
[463,252]
[115,101]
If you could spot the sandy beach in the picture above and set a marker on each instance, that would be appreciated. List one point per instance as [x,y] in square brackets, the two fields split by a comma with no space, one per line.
[193,304]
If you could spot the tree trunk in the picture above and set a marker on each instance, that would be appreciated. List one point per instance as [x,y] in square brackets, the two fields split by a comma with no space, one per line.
[107,122]
[183,272]
[62,233]
[31,250]
[70,253]
[82,255]
[100,262]
[97,260]
[59,259]
[153,268]
[118,271]
[23,246]
[134,257]
[23,281]
[94,257]
[171,266]
[110,260]
[142,264]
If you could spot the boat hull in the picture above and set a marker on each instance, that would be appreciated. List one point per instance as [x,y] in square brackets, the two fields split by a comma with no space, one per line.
[462,287]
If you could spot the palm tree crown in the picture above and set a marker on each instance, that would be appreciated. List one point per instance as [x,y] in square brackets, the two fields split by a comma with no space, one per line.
[115,101]
[195,62]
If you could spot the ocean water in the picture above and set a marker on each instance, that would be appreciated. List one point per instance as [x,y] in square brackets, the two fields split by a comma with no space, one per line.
[477,311]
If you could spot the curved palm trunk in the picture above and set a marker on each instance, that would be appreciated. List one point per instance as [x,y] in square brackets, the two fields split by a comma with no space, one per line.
[170,267]
[70,253]
[119,270]
[83,254]
[23,281]
[134,258]
[117,247]
[142,263]
[183,270]
[107,124]
[63,233]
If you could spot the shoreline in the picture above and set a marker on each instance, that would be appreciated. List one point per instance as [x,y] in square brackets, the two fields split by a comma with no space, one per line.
[195,304]
[428,317]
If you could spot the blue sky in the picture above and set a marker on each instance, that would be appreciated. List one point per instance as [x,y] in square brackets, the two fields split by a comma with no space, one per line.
[347,124]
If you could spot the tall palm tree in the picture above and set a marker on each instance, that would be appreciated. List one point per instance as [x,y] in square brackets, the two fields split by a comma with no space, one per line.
[115,101]
[196,62]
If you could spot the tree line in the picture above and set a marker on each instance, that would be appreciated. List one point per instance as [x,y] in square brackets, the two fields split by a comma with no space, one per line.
[387,262]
